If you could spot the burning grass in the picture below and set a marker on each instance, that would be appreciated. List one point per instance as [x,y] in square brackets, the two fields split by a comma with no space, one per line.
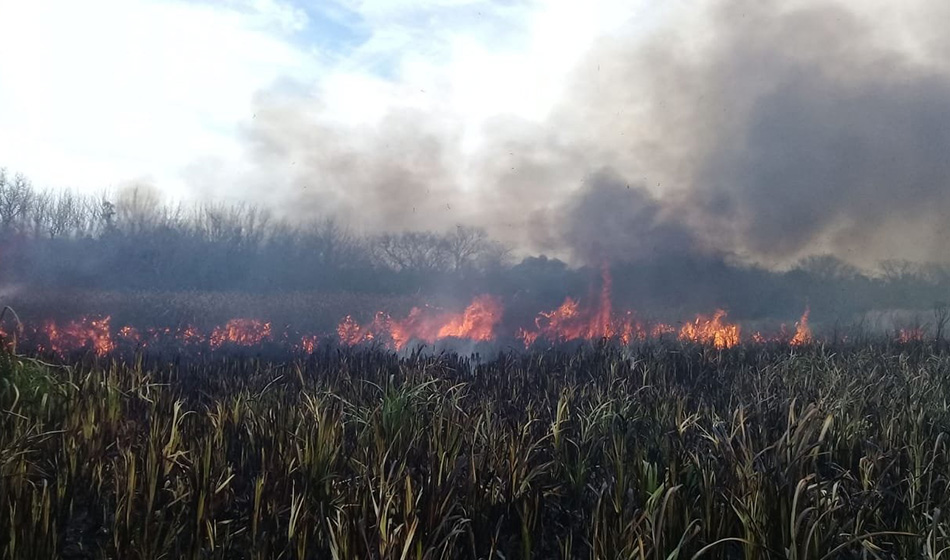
[672,450]
[394,325]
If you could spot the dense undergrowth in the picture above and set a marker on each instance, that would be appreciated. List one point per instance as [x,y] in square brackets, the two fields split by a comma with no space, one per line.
[664,451]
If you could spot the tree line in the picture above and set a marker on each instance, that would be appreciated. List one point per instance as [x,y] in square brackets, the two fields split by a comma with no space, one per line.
[133,241]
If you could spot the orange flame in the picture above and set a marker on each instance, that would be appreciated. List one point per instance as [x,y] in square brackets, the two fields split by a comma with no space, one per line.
[476,322]
[130,335]
[84,333]
[242,332]
[572,322]
[420,324]
[351,333]
[189,335]
[308,343]
[711,330]
[802,331]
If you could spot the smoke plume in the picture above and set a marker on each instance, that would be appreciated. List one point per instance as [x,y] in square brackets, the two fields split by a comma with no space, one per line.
[768,130]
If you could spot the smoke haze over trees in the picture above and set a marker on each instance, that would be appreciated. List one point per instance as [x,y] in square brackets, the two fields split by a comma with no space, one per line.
[133,243]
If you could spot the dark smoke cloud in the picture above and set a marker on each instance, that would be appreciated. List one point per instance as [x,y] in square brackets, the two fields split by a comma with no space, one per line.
[770,130]
[835,141]
[610,220]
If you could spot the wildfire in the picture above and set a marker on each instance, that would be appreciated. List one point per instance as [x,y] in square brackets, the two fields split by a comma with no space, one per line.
[910,335]
[476,322]
[352,333]
[93,334]
[421,324]
[711,330]
[563,323]
[242,332]
[802,331]
[308,343]
[189,335]
[570,321]
[130,335]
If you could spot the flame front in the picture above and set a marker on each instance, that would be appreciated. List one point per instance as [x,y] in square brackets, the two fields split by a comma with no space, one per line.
[93,334]
[711,330]
[242,332]
[802,331]
[477,322]
[570,321]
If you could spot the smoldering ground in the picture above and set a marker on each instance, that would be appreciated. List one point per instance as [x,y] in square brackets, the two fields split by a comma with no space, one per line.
[771,131]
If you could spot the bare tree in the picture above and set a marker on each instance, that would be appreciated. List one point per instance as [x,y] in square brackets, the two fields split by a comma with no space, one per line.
[413,251]
[138,209]
[100,217]
[332,245]
[464,245]
[898,270]
[67,215]
[828,267]
[16,198]
[493,255]
[41,214]
[240,227]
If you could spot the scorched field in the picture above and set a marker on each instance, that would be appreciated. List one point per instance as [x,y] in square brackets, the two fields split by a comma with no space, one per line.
[662,449]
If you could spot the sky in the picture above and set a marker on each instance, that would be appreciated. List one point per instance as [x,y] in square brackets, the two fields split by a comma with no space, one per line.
[760,131]
[95,95]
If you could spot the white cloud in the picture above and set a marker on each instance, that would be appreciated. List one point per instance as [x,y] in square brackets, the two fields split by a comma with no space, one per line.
[498,60]
[97,93]
[93,94]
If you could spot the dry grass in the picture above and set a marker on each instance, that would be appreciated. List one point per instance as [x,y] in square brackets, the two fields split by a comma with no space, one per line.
[666,451]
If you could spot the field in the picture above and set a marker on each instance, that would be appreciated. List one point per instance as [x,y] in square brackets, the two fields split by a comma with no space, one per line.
[664,450]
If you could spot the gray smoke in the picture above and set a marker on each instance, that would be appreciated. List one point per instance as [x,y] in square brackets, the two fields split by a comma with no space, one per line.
[387,177]
[607,219]
[815,134]
[769,130]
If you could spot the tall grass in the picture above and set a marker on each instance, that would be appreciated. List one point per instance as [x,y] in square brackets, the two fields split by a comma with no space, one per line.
[664,451]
